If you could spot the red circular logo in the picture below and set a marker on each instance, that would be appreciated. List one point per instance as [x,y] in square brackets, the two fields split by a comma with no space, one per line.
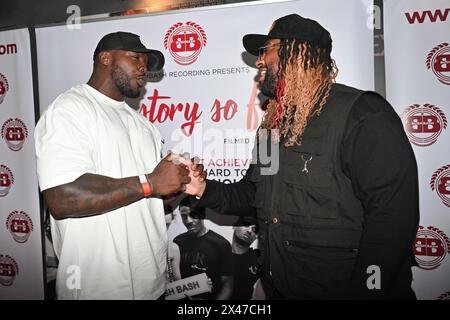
[185,42]
[6,180]
[4,87]
[8,270]
[440,181]
[14,131]
[430,247]
[423,124]
[438,60]
[19,225]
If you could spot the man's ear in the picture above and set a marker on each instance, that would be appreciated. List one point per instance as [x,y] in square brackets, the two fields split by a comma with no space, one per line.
[105,58]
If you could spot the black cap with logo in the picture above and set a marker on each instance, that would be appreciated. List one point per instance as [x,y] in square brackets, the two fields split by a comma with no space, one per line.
[130,42]
[291,26]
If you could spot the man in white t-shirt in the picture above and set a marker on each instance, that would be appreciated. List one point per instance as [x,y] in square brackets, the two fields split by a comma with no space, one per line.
[101,174]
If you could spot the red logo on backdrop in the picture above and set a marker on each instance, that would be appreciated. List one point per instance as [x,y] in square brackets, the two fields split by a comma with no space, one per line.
[431,247]
[438,60]
[4,87]
[8,270]
[423,124]
[19,225]
[185,42]
[14,131]
[6,180]
[440,181]
[444,296]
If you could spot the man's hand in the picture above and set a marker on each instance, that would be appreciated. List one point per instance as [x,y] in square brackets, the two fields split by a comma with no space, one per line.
[197,174]
[169,176]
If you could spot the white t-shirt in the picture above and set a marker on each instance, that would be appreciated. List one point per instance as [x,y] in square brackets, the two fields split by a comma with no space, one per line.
[120,254]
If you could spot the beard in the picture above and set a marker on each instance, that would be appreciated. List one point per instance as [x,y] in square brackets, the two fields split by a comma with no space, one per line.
[268,86]
[123,83]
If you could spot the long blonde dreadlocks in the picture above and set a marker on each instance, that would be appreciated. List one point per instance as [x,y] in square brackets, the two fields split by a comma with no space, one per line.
[303,90]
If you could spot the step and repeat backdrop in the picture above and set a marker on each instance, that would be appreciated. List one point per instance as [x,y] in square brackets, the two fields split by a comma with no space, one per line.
[21,264]
[417,53]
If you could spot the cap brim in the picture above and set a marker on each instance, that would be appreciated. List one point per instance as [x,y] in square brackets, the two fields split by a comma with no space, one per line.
[252,42]
[155,59]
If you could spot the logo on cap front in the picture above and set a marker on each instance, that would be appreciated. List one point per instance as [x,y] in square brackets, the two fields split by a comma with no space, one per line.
[6,180]
[14,131]
[423,124]
[19,225]
[430,247]
[4,87]
[438,60]
[185,42]
[8,270]
[440,182]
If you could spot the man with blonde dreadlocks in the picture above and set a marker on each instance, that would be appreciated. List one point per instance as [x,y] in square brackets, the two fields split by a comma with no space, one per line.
[339,217]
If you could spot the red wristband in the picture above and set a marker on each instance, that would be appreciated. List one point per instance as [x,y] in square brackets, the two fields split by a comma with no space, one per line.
[145,185]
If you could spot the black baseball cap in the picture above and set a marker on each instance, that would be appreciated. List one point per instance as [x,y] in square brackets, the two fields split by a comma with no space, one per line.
[130,42]
[291,26]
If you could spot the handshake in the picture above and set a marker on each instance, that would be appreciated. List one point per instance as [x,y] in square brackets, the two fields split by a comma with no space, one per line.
[178,173]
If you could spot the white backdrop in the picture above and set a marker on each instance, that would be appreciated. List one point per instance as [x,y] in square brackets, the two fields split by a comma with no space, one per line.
[417,53]
[21,275]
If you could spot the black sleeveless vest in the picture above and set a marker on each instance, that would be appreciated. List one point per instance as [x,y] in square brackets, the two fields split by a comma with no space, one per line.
[309,218]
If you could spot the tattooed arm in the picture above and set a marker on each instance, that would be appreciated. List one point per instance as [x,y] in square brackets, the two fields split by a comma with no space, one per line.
[93,194]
